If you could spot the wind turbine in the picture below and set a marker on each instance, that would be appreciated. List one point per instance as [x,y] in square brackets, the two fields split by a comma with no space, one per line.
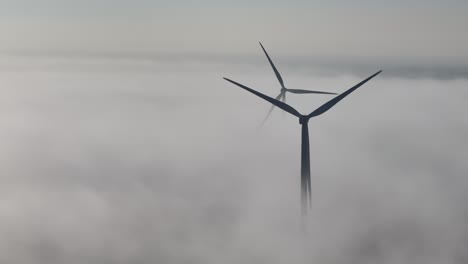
[284,90]
[304,120]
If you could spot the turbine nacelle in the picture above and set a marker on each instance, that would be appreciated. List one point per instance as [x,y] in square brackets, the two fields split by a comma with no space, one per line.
[303,119]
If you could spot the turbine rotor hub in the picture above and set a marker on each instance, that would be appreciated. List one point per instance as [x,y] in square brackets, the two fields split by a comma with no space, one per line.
[303,120]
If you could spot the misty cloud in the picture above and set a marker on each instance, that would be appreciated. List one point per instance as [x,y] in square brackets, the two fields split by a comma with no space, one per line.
[164,164]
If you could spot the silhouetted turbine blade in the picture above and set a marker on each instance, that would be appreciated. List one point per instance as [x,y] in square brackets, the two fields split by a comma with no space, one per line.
[299,91]
[279,104]
[325,107]
[271,109]
[273,66]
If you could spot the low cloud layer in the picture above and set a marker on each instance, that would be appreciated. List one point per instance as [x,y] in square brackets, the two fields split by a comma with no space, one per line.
[165,164]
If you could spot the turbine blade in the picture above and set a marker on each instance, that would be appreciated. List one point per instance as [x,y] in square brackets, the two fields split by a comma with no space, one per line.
[279,104]
[299,91]
[271,109]
[273,66]
[325,107]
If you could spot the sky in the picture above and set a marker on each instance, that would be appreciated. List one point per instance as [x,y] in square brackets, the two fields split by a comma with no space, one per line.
[408,30]
[121,143]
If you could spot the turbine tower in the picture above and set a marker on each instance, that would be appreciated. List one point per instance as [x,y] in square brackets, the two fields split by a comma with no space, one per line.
[304,121]
[284,90]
